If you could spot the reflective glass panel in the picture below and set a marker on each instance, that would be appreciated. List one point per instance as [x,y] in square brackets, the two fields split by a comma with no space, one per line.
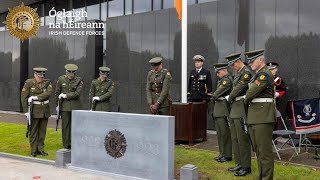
[93,12]
[142,6]
[116,8]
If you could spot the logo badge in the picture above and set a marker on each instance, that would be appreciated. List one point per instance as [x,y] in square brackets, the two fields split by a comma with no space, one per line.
[22,22]
[115,144]
[246,76]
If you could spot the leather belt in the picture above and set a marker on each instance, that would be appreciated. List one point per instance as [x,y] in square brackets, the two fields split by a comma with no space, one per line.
[41,102]
[262,100]
[240,97]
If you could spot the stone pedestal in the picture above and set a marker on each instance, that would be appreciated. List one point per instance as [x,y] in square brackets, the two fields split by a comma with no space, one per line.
[63,157]
[189,172]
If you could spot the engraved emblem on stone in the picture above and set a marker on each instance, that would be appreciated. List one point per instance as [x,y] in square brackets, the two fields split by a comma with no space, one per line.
[115,144]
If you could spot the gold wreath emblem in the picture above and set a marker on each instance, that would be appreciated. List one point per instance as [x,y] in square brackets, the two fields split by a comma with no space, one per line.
[115,144]
[22,22]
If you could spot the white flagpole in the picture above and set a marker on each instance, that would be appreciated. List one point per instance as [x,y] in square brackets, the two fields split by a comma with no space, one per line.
[184,26]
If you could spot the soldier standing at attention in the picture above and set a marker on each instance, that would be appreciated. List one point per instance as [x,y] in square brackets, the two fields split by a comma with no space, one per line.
[37,91]
[158,87]
[261,113]
[239,134]
[68,90]
[101,91]
[221,112]
[200,82]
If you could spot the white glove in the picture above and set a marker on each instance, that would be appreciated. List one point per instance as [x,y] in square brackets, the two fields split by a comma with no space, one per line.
[277,94]
[32,98]
[62,96]
[96,98]
[227,97]
[26,114]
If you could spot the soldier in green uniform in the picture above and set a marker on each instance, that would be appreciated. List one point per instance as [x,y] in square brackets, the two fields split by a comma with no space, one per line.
[37,91]
[158,87]
[221,112]
[261,113]
[68,90]
[101,91]
[239,134]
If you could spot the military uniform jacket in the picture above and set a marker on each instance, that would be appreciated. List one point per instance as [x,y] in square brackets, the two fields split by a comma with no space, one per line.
[104,90]
[43,91]
[158,87]
[199,84]
[261,86]
[221,107]
[239,88]
[73,89]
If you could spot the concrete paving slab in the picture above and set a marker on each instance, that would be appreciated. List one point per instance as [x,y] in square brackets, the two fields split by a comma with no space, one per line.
[23,170]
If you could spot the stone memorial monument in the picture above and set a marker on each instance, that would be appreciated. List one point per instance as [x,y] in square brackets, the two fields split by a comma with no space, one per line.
[124,145]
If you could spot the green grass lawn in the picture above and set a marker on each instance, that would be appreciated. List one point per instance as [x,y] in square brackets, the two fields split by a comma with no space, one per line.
[13,141]
[211,169]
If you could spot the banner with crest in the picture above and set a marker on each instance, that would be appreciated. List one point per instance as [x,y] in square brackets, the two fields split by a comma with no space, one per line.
[305,115]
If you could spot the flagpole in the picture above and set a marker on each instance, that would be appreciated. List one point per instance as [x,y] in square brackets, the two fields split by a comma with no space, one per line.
[184,50]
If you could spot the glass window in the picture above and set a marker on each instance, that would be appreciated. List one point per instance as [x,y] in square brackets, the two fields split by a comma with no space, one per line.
[203,1]
[61,4]
[63,20]
[191,1]
[93,12]
[92,2]
[116,8]
[42,21]
[104,11]
[142,6]
[78,4]
[168,4]
[48,20]
[81,18]
[156,5]
[2,19]
[128,6]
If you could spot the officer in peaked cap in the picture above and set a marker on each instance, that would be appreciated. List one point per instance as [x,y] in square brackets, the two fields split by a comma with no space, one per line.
[200,82]
[158,87]
[36,93]
[221,112]
[101,91]
[239,134]
[261,112]
[68,91]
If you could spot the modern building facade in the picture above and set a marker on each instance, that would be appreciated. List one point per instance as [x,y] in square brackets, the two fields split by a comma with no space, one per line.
[137,30]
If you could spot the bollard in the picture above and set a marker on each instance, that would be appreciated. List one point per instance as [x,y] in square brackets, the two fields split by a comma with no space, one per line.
[63,157]
[189,172]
